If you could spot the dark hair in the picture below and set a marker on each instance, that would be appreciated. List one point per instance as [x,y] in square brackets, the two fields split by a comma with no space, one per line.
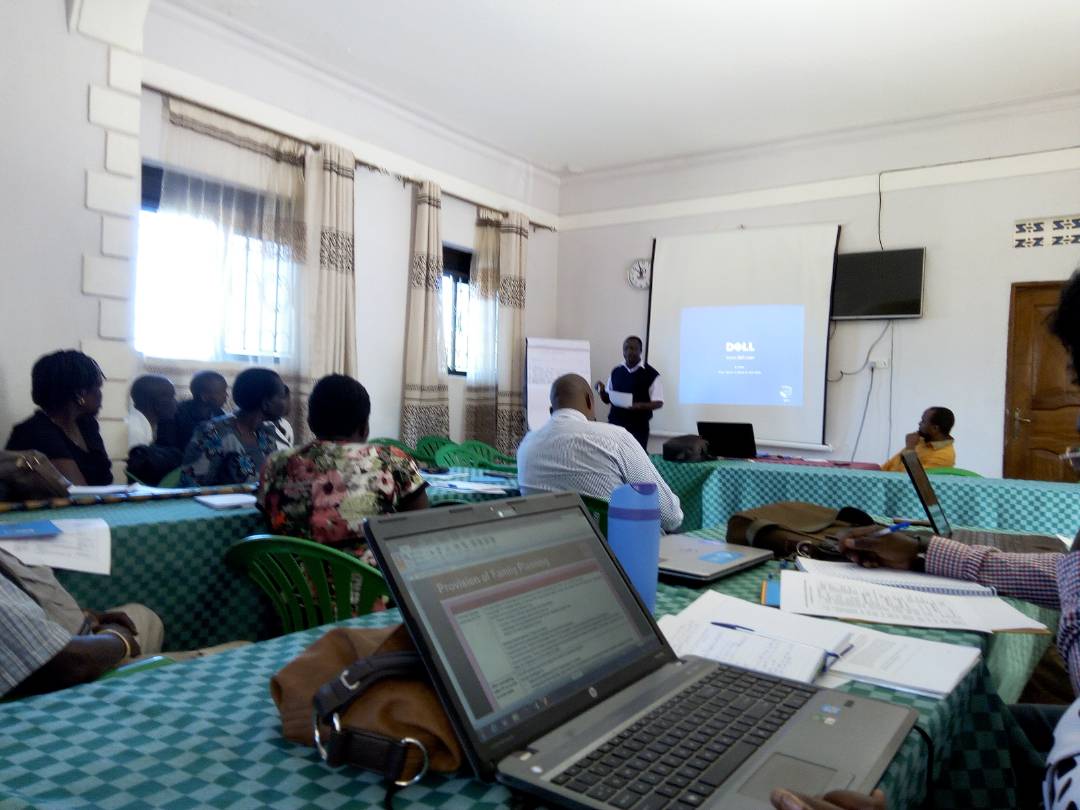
[146,388]
[58,378]
[201,382]
[640,342]
[943,418]
[1064,323]
[253,386]
[338,407]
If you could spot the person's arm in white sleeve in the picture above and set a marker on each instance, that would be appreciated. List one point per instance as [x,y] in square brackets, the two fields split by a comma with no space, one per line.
[638,469]
[656,390]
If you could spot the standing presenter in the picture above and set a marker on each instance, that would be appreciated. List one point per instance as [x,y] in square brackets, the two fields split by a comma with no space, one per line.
[633,391]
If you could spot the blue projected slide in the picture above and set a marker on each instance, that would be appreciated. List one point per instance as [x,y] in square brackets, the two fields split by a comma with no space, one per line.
[742,355]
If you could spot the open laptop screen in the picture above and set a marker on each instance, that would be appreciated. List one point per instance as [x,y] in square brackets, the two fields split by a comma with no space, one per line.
[921,481]
[522,612]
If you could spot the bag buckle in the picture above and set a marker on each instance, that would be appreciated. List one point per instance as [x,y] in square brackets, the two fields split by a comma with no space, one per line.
[329,752]
[407,741]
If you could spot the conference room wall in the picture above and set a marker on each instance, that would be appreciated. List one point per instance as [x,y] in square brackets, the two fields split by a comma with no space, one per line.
[954,356]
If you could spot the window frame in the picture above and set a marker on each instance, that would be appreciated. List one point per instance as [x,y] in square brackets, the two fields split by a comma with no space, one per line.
[457,263]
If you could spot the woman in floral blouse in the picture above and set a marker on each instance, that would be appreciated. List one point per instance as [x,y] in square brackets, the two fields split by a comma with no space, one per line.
[324,490]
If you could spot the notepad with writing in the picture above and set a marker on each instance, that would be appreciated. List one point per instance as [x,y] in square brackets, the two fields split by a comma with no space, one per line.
[912,580]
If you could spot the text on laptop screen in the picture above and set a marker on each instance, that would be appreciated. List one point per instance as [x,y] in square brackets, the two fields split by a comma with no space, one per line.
[523,612]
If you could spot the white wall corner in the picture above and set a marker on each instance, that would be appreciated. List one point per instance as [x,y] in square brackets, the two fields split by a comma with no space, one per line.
[111,193]
[115,319]
[118,236]
[117,22]
[116,357]
[122,154]
[111,278]
[125,71]
[114,400]
[114,110]
[74,9]
[114,434]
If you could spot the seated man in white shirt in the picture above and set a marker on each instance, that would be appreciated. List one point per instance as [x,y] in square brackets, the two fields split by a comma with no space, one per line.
[575,453]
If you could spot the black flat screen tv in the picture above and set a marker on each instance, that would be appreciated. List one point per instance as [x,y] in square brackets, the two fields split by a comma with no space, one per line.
[877,285]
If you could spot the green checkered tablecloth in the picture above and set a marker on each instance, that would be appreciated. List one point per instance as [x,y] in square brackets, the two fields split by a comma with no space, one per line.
[713,491]
[169,555]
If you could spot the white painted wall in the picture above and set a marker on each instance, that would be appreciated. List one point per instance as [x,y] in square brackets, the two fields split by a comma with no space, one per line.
[46,145]
[953,356]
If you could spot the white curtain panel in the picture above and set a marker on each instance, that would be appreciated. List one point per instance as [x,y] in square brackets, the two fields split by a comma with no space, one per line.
[511,423]
[425,408]
[481,384]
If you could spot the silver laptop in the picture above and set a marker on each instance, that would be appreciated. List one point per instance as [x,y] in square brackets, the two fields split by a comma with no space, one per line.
[935,514]
[693,558]
[559,683]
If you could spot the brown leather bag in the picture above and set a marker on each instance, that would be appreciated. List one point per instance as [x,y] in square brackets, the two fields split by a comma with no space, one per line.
[363,698]
[791,528]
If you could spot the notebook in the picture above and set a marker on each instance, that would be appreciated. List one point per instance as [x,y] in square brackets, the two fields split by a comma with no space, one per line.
[548,664]
[913,580]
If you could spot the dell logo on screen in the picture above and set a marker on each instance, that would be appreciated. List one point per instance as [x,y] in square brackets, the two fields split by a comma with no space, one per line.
[740,346]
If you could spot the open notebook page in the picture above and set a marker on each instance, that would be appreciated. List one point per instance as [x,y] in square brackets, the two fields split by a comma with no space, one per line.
[897,579]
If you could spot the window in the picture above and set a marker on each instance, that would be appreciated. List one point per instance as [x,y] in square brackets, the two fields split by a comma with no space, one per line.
[455,307]
[211,282]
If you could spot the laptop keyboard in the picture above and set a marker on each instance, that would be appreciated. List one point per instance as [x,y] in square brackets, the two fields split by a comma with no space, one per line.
[681,752]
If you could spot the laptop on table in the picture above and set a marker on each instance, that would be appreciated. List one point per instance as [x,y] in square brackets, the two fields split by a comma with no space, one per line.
[729,439]
[559,683]
[701,561]
[935,514]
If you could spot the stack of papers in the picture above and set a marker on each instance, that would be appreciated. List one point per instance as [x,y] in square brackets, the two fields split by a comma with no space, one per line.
[109,489]
[239,500]
[80,545]
[912,580]
[467,486]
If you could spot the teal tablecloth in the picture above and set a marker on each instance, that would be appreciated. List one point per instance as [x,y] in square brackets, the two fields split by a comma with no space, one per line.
[713,491]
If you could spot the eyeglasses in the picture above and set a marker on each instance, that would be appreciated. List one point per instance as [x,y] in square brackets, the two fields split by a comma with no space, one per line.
[1072,457]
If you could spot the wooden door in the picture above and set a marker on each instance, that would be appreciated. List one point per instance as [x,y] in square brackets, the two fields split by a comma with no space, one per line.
[1041,401]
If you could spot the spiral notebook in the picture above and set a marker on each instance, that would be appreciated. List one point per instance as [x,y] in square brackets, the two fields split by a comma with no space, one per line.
[912,580]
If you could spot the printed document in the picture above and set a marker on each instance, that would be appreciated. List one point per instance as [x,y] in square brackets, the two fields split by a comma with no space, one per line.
[82,545]
[620,399]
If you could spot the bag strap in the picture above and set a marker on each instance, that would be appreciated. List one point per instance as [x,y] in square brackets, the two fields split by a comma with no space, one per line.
[356,747]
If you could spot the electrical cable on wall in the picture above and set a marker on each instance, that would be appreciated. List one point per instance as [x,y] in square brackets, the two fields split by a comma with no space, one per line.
[866,360]
[879,205]
[862,421]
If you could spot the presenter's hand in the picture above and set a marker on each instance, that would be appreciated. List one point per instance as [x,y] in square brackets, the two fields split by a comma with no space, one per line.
[600,387]
[894,550]
[836,800]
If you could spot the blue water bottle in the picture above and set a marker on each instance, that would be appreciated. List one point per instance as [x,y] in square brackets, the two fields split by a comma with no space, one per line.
[633,532]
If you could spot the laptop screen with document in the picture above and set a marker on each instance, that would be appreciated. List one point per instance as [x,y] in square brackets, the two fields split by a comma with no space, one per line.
[520,614]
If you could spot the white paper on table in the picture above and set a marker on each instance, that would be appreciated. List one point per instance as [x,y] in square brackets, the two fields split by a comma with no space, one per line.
[620,399]
[863,601]
[469,486]
[771,656]
[109,489]
[82,545]
[239,500]
[830,680]
[914,580]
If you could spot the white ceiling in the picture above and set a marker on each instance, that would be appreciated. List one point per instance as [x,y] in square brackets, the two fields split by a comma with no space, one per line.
[579,85]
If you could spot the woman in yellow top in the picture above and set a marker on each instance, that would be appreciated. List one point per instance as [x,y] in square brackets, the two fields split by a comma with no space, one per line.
[931,442]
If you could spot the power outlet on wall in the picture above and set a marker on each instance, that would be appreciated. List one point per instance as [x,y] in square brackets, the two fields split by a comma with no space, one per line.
[880,363]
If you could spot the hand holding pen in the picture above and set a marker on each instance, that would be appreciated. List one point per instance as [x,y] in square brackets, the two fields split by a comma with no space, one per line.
[878,547]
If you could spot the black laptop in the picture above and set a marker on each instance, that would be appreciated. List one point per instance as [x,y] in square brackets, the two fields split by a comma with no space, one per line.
[935,514]
[729,439]
[559,683]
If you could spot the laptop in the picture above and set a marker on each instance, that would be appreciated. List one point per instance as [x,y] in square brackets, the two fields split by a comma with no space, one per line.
[703,561]
[559,683]
[729,439]
[935,514]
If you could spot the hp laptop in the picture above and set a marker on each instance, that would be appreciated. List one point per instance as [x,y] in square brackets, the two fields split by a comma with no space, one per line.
[729,439]
[559,683]
[1031,543]
[702,561]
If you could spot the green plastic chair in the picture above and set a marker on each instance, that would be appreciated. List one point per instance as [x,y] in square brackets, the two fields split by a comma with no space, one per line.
[492,458]
[598,508]
[394,443]
[427,446]
[135,667]
[308,583]
[171,479]
[456,455]
[952,471]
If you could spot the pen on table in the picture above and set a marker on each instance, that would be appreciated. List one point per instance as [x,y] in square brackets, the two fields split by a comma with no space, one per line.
[728,626]
[896,527]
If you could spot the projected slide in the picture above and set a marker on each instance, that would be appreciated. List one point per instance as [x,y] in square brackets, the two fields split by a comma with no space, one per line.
[742,355]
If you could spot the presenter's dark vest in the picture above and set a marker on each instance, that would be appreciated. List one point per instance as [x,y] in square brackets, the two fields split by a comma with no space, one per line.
[637,383]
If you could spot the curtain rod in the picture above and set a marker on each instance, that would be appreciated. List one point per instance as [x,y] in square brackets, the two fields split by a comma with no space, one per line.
[369,166]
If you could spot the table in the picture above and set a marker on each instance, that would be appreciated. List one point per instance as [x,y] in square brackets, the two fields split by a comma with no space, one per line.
[205,734]
[169,555]
[713,491]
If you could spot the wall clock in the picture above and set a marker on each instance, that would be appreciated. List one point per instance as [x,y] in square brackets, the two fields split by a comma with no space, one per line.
[639,276]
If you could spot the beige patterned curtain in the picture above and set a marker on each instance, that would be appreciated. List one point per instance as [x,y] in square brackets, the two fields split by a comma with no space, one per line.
[510,424]
[328,320]
[481,384]
[425,408]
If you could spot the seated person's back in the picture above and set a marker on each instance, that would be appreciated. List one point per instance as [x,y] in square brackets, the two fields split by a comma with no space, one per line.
[66,386]
[323,490]
[575,453]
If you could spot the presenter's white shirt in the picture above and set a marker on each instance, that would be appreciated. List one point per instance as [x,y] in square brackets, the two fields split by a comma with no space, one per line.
[572,453]
[139,430]
[656,390]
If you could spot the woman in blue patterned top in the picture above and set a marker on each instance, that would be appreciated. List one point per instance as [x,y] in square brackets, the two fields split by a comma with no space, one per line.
[232,449]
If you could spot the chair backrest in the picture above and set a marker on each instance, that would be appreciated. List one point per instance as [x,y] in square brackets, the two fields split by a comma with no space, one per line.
[953,471]
[171,479]
[309,584]
[490,457]
[427,446]
[394,443]
[598,508]
[457,455]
